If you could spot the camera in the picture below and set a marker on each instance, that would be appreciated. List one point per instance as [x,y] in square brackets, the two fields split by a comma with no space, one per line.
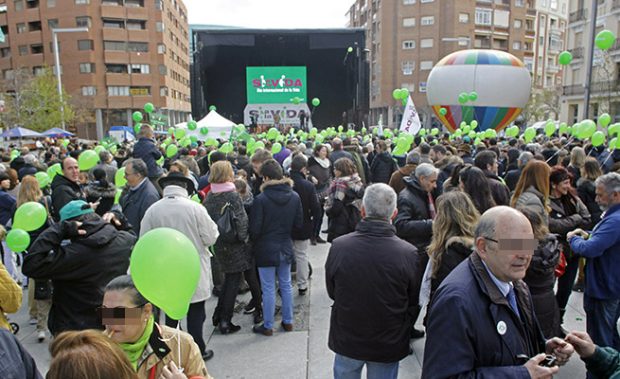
[549,361]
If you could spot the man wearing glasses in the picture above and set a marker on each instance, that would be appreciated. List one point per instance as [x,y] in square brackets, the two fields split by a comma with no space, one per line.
[481,321]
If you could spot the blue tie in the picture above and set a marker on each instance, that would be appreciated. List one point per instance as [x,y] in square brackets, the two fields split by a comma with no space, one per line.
[512,300]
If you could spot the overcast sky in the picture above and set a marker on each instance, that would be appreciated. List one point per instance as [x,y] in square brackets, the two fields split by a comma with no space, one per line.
[270,13]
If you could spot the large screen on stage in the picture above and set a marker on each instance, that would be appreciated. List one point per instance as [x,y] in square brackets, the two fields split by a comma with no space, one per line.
[272,85]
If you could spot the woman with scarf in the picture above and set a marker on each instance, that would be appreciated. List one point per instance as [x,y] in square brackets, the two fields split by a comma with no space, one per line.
[320,174]
[152,349]
[344,198]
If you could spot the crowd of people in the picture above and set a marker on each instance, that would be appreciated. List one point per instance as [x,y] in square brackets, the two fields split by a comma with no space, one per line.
[489,239]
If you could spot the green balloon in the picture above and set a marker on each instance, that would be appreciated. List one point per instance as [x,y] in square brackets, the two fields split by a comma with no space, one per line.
[349,49]
[211,142]
[614,143]
[88,159]
[473,96]
[193,139]
[160,161]
[54,170]
[212,108]
[396,94]
[18,240]
[529,134]
[614,129]
[466,129]
[192,125]
[149,108]
[605,39]
[296,100]
[119,177]
[422,132]
[185,142]
[136,129]
[340,128]
[587,129]
[316,102]
[196,198]
[179,133]
[463,98]
[170,131]
[43,178]
[598,138]
[204,130]
[404,93]
[604,120]
[99,149]
[550,128]
[474,124]
[137,116]
[443,111]
[171,151]
[227,148]
[165,268]
[272,134]
[15,154]
[472,134]
[490,133]
[563,128]
[276,148]
[565,58]
[30,216]
[117,196]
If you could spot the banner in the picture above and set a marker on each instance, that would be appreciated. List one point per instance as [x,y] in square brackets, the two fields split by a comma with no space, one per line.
[278,115]
[273,85]
[411,121]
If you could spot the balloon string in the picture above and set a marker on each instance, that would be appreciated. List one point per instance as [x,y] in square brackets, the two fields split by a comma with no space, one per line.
[558,152]
[611,152]
[179,344]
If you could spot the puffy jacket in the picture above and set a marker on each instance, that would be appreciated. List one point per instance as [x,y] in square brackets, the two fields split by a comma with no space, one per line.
[102,192]
[232,257]
[64,191]
[382,168]
[533,199]
[499,191]
[135,203]
[309,204]
[79,269]
[146,150]
[10,296]
[560,222]
[413,221]
[275,212]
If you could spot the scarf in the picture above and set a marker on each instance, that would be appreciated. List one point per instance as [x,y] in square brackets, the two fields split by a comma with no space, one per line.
[324,162]
[223,187]
[134,350]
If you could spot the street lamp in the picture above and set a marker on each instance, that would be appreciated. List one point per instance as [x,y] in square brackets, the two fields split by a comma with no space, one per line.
[55,32]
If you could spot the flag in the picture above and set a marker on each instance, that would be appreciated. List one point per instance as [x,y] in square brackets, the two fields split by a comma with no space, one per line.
[380,122]
[411,121]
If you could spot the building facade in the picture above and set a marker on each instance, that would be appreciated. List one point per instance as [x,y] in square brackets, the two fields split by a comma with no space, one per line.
[134,52]
[605,92]
[406,38]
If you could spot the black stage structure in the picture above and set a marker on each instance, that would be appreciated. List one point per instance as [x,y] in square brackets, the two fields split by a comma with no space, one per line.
[339,78]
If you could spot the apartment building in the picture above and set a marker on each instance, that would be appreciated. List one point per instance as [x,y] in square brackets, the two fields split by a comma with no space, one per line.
[134,52]
[604,88]
[407,37]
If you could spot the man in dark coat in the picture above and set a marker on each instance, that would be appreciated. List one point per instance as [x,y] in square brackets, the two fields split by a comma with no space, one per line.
[414,222]
[487,161]
[481,321]
[370,276]
[338,151]
[140,195]
[65,186]
[96,253]
[146,150]
[311,211]
[512,176]
[382,165]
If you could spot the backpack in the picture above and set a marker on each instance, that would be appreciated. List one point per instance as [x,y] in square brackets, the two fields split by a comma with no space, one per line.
[227,225]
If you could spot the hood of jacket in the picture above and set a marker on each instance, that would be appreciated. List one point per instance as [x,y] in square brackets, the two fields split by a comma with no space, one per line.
[95,189]
[98,233]
[412,183]
[61,180]
[278,191]
[465,242]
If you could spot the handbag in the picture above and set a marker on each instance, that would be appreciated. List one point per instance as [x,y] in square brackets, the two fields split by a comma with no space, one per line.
[560,268]
[226,225]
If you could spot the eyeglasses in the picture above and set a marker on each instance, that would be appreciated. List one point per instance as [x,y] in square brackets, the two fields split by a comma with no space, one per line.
[119,315]
[524,246]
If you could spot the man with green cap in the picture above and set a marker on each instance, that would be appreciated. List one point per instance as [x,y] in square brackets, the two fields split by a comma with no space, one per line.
[80,254]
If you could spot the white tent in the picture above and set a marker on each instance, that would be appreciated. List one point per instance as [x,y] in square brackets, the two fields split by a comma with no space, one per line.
[219,127]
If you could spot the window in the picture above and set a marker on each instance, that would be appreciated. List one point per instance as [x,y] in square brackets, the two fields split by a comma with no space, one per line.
[114,45]
[409,44]
[517,24]
[113,68]
[118,91]
[89,91]
[163,70]
[34,26]
[38,70]
[139,68]
[408,2]
[8,74]
[5,52]
[409,22]
[426,65]
[140,91]
[163,91]
[82,22]
[159,26]
[51,3]
[112,2]
[36,49]
[422,87]
[408,67]
[139,47]
[52,23]
[161,48]
[136,24]
[113,24]
[483,16]
[158,5]
[87,68]
[85,44]
[426,43]
[426,1]
[134,3]
[464,18]
[21,28]
[427,20]
[19,5]
[516,45]
[518,3]
[82,2]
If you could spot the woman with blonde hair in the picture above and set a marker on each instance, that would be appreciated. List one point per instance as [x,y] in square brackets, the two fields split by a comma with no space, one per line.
[453,234]
[586,189]
[577,160]
[532,190]
[39,291]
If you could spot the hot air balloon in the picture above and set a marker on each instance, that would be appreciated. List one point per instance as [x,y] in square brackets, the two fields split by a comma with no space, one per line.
[498,83]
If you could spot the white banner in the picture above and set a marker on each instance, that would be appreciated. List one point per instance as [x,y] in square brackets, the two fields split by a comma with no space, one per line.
[411,121]
[278,115]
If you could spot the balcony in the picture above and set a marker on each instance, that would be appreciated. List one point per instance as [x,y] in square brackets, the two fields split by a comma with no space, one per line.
[579,15]
[112,11]
[531,12]
[577,52]
[117,79]
[596,87]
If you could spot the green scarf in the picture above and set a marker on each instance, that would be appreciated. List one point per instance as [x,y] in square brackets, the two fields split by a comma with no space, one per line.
[134,350]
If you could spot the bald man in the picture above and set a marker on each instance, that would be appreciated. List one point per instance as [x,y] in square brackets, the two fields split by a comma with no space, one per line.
[66,186]
[481,320]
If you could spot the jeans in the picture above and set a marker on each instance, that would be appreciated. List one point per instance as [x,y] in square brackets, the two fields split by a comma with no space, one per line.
[268,284]
[226,301]
[300,247]
[349,368]
[601,319]
[196,317]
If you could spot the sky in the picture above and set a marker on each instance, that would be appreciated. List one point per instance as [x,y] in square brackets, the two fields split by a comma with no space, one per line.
[270,14]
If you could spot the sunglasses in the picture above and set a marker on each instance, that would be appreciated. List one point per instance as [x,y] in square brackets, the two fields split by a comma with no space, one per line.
[120,315]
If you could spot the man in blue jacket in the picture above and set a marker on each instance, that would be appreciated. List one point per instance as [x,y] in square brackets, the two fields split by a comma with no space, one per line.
[481,323]
[146,150]
[601,248]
